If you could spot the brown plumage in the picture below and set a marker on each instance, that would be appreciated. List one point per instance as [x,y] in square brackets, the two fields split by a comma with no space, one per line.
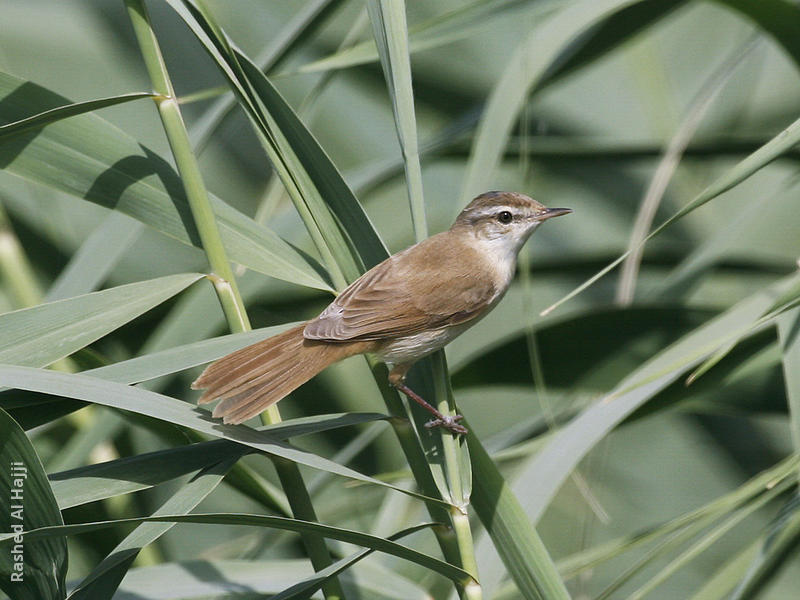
[250,380]
[408,306]
[420,288]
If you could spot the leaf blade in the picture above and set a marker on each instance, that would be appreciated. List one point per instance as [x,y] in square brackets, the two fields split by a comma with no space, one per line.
[87,157]
[104,579]
[45,118]
[40,335]
[174,411]
[553,464]
[24,486]
[391,37]
[346,535]
[514,536]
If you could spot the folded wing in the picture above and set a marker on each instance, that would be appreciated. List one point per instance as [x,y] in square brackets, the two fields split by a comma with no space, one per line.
[418,289]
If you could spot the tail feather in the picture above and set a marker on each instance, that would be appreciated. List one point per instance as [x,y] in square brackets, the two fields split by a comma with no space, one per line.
[250,380]
[248,396]
[237,367]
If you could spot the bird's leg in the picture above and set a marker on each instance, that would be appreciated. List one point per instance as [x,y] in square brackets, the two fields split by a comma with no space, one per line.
[397,380]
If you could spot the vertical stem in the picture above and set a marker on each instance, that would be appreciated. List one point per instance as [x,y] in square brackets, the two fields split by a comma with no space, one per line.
[222,275]
[391,36]
[415,457]
[455,539]
[471,590]
[185,160]
[454,455]
[446,406]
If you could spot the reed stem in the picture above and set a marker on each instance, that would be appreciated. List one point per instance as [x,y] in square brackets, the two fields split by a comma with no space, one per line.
[221,275]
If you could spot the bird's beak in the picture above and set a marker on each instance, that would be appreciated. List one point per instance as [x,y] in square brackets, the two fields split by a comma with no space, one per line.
[549,213]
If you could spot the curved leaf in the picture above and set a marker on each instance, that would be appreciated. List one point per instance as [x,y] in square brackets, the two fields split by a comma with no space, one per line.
[105,578]
[62,112]
[40,335]
[136,370]
[202,579]
[131,474]
[311,584]
[391,36]
[335,533]
[88,157]
[177,412]
[560,456]
[29,569]
[140,472]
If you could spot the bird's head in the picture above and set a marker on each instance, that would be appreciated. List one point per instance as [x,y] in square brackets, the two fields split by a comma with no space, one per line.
[504,219]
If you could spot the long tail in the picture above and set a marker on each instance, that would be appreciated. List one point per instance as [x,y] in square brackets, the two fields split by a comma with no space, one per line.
[252,379]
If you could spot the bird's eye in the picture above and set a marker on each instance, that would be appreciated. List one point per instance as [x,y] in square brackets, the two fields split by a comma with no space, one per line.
[505,216]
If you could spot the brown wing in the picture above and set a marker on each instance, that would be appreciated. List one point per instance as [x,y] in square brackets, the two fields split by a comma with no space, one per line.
[426,286]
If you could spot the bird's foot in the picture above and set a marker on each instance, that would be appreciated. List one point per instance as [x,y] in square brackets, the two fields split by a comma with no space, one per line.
[449,423]
[446,421]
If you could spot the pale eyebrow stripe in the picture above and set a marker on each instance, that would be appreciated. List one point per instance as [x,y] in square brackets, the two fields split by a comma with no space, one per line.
[490,211]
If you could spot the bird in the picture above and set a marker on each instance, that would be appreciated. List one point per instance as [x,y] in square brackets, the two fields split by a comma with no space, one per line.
[401,310]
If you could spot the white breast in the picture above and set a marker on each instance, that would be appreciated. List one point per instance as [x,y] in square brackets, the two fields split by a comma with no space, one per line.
[501,255]
[411,348]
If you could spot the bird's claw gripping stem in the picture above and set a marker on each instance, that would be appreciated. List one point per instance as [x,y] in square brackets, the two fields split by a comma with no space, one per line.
[445,421]
[449,423]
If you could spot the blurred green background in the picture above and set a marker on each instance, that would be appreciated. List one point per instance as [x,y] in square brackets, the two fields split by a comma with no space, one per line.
[591,137]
